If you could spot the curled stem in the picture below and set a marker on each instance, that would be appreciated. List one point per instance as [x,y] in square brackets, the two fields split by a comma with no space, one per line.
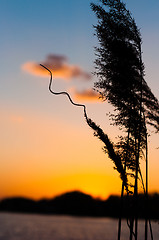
[98,132]
[64,93]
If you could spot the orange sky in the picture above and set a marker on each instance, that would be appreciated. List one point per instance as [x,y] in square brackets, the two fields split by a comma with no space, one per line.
[46,156]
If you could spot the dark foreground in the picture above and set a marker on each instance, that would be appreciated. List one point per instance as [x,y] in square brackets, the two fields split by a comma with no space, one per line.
[79,204]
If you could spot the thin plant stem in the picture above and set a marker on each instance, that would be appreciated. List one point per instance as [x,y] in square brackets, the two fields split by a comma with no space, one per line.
[64,93]
[146,194]
[122,191]
[138,151]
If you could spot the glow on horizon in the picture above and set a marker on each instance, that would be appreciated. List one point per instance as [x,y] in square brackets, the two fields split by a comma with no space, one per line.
[49,157]
[40,162]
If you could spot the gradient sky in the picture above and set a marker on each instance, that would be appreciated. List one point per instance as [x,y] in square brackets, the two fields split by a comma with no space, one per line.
[46,146]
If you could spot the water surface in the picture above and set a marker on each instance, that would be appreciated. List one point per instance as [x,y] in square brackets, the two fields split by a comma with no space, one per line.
[41,227]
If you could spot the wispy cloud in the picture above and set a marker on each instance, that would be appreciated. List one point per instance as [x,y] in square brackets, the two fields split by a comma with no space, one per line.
[87,95]
[59,66]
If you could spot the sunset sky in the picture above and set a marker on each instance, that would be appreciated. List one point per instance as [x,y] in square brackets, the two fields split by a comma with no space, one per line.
[46,147]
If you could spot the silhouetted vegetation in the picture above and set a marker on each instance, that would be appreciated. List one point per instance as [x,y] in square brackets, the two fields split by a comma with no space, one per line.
[121,81]
[79,204]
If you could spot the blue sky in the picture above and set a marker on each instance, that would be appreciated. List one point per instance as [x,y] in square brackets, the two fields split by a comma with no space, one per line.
[32,29]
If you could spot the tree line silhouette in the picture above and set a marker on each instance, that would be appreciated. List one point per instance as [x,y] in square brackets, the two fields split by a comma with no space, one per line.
[79,204]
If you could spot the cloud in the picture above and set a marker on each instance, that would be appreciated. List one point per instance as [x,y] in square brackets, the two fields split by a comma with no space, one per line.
[59,66]
[85,96]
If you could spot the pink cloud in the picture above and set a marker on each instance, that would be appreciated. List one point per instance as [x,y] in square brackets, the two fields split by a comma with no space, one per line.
[86,95]
[59,66]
